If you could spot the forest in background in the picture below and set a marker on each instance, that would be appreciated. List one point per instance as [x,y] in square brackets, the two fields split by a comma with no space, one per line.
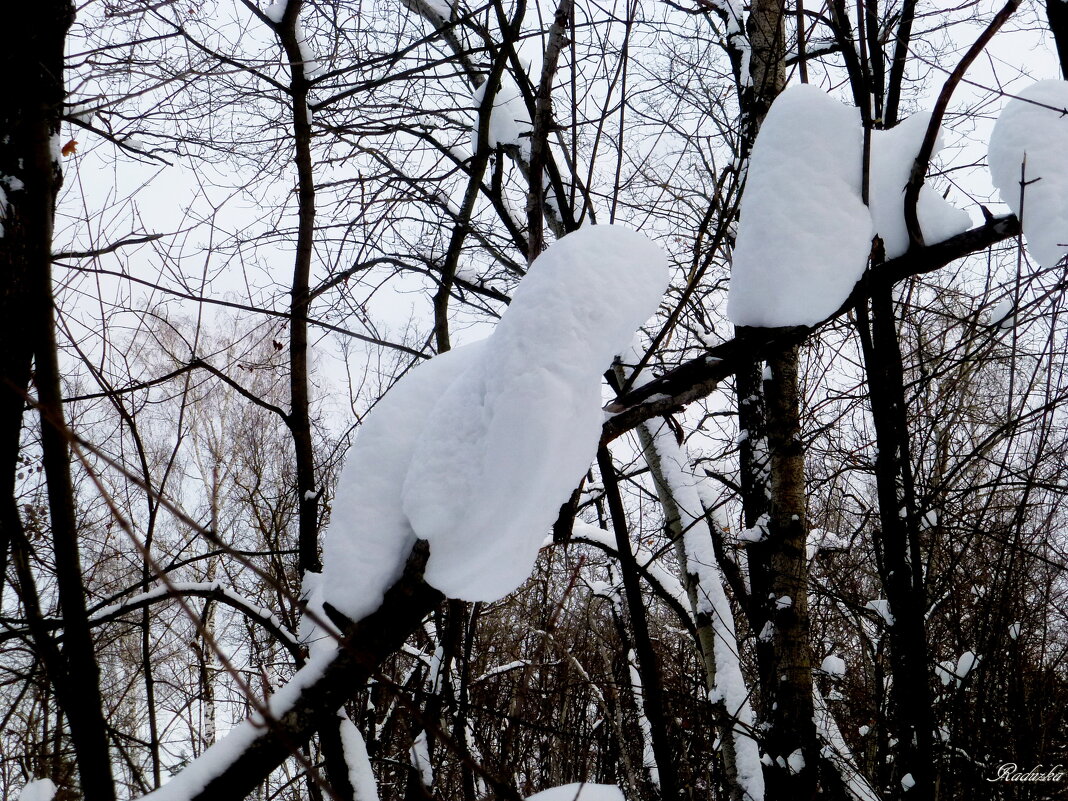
[236,226]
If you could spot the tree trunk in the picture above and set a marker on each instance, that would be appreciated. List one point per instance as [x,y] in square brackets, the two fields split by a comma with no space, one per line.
[32,51]
[898,540]
[791,736]
[648,665]
[773,483]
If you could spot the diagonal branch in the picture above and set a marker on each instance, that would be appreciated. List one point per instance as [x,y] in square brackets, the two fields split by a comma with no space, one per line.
[698,377]
[923,158]
[314,695]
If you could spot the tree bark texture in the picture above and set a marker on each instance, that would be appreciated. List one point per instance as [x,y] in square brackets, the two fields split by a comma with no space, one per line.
[788,701]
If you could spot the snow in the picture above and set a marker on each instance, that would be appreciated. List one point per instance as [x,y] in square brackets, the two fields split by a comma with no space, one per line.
[38,790]
[580,791]
[476,450]
[833,665]
[507,668]
[944,671]
[1014,630]
[179,588]
[881,607]
[369,536]
[966,663]
[837,751]
[796,761]
[638,691]
[1001,315]
[420,755]
[759,531]
[956,671]
[509,122]
[1032,136]
[276,10]
[650,565]
[892,154]
[361,775]
[820,541]
[509,440]
[8,183]
[437,11]
[755,534]
[308,63]
[907,782]
[804,234]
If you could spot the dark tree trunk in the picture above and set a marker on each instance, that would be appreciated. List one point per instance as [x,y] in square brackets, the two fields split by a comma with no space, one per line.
[773,489]
[1057,15]
[898,541]
[791,733]
[33,93]
[648,665]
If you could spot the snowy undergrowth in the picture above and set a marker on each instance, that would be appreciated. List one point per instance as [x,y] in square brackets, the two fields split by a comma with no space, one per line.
[1028,143]
[804,232]
[579,792]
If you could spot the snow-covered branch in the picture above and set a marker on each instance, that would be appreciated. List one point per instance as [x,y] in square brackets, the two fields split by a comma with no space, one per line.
[698,377]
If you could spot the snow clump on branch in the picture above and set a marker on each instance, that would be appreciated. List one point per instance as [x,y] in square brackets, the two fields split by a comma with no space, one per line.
[1028,143]
[804,232]
[509,121]
[476,450]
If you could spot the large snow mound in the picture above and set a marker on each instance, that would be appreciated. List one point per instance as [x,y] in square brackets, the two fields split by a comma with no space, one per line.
[511,437]
[1034,126]
[476,450]
[804,233]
